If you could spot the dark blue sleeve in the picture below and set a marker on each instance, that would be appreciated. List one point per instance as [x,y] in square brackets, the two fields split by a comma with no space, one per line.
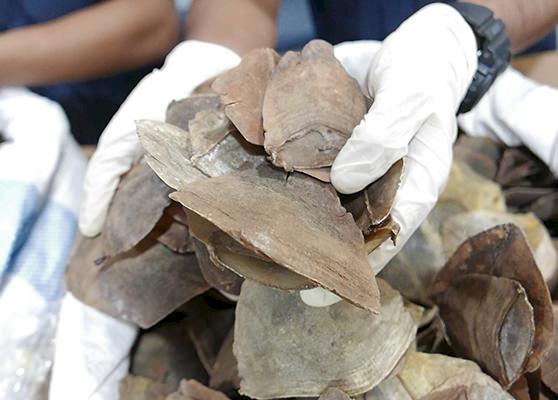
[17,13]
[344,20]
[89,105]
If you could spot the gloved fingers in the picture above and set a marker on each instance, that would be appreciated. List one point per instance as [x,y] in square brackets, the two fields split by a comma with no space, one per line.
[101,180]
[189,64]
[381,138]
[422,69]
[318,297]
[356,58]
[118,148]
[427,167]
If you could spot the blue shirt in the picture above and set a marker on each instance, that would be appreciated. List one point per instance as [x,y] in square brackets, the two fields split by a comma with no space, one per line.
[343,20]
[89,105]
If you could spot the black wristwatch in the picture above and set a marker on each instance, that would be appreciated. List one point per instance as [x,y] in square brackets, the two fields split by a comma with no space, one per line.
[493,49]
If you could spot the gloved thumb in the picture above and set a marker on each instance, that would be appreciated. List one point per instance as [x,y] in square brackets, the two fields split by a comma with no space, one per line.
[189,64]
[318,297]
[117,150]
[381,138]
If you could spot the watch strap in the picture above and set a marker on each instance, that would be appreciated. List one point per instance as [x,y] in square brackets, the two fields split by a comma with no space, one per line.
[493,46]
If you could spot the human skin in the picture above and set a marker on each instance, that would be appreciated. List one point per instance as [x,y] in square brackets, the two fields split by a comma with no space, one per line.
[240,25]
[246,24]
[119,35]
[526,20]
[100,40]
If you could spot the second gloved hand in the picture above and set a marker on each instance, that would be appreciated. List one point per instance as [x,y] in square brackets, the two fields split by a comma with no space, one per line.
[188,65]
[95,374]
[518,110]
[417,77]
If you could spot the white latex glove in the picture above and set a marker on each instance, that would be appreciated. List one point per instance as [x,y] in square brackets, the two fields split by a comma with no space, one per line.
[518,110]
[189,64]
[92,348]
[418,77]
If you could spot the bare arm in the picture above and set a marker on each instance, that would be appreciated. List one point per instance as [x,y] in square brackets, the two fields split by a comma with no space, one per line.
[240,25]
[526,20]
[103,39]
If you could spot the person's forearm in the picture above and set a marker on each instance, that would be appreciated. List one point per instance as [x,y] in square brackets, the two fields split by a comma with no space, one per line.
[100,40]
[526,20]
[240,25]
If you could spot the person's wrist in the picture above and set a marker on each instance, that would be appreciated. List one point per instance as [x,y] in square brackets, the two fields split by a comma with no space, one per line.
[493,47]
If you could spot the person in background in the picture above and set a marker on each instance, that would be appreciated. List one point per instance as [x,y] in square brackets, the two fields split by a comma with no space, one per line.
[419,77]
[339,21]
[86,55]
[65,68]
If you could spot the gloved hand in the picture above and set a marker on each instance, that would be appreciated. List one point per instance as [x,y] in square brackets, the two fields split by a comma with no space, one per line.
[418,77]
[188,65]
[518,110]
[92,347]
